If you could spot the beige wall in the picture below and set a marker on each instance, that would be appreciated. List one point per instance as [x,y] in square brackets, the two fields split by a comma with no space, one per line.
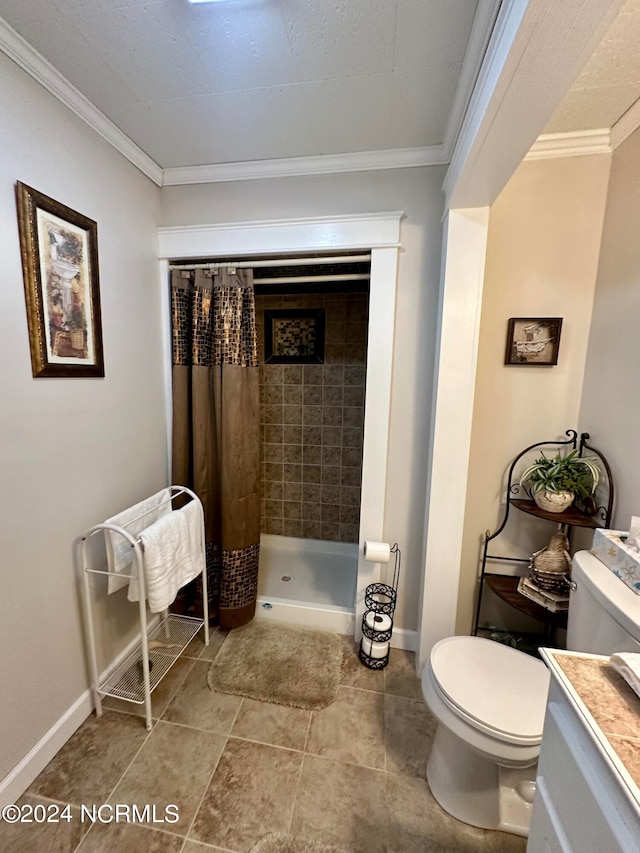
[72,451]
[418,193]
[610,404]
[542,258]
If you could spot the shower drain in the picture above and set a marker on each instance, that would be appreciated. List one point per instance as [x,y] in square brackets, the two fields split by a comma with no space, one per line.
[286,578]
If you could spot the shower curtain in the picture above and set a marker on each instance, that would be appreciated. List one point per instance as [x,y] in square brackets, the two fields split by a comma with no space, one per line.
[216,427]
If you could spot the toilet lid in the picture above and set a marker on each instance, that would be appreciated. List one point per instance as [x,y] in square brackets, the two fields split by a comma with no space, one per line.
[501,688]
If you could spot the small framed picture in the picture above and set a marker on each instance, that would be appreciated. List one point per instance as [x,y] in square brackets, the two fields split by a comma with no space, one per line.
[533,341]
[294,336]
[59,250]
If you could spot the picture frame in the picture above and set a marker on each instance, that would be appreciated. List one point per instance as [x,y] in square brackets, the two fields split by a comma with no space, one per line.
[294,335]
[533,341]
[59,249]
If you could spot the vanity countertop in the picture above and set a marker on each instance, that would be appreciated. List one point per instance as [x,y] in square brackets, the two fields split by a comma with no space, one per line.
[609,707]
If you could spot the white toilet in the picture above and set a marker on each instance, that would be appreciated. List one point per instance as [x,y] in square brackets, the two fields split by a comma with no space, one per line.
[490,701]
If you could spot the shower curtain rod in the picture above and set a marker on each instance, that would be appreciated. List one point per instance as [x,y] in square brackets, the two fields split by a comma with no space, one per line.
[281,262]
[301,279]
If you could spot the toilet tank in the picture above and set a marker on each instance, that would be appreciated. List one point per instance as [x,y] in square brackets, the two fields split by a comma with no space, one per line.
[604,614]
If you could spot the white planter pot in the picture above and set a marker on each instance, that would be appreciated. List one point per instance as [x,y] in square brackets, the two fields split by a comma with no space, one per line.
[553,501]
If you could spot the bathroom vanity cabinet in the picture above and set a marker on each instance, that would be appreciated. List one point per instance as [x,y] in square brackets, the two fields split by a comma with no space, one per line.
[504,585]
[587,796]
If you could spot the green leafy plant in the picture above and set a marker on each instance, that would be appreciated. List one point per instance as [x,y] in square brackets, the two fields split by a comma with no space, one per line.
[570,473]
[501,635]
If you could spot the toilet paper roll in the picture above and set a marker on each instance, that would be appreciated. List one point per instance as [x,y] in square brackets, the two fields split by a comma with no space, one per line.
[375,650]
[377,552]
[377,621]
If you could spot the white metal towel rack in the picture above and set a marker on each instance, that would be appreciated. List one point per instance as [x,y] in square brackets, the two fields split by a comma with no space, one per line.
[134,679]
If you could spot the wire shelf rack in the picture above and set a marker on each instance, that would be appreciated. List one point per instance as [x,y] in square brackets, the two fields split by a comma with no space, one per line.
[127,682]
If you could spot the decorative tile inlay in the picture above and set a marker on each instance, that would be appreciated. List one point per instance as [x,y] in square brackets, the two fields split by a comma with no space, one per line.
[294,337]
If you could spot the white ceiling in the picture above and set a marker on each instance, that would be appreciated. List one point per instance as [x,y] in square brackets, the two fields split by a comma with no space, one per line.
[609,84]
[246,80]
[243,88]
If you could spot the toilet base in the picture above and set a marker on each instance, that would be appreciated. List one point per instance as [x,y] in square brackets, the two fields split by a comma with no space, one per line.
[478,791]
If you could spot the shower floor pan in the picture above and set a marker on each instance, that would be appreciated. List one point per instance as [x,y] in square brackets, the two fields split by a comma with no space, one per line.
[308,582]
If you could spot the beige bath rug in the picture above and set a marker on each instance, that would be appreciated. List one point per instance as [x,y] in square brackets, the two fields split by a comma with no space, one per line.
[291,844]
[287,665]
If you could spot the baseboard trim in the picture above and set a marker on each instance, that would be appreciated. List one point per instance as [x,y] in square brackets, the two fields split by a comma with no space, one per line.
[402,638]
[16,782]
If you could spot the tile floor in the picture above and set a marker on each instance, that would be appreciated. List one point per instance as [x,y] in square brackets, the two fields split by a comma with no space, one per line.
[351,775]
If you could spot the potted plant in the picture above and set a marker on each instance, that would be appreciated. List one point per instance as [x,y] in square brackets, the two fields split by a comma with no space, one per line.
[555,483]
[75,322]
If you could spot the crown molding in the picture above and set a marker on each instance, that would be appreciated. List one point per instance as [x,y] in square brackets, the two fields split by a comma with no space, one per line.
[549,146]
[626,125]
[483,24]
[44,73]
[322,164]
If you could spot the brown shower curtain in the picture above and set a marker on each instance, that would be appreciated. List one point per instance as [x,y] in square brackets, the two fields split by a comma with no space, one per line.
[216,427]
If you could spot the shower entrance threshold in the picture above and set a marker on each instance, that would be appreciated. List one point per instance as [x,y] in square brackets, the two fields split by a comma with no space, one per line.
[339,620]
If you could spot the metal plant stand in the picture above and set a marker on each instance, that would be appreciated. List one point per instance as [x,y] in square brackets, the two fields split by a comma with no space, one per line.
[505,585]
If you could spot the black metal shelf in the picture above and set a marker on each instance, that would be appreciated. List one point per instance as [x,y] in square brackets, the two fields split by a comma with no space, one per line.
[506,586]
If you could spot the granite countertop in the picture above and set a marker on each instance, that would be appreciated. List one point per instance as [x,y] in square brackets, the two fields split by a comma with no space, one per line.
[610,706]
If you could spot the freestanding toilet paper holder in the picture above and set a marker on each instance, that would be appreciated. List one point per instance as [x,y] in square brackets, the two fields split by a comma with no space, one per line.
[377,621]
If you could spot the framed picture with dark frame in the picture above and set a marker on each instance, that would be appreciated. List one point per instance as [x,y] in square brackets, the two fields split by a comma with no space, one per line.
[59,249]
[533,341]
[294,335]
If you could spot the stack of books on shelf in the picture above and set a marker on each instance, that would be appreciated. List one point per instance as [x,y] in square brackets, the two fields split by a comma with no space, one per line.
[556,602]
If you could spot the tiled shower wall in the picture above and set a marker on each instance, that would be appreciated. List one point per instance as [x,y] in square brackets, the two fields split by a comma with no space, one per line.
[312,424]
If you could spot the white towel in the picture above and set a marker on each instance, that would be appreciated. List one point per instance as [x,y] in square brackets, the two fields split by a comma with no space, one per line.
[134,520]
[628,665]
[173,555]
